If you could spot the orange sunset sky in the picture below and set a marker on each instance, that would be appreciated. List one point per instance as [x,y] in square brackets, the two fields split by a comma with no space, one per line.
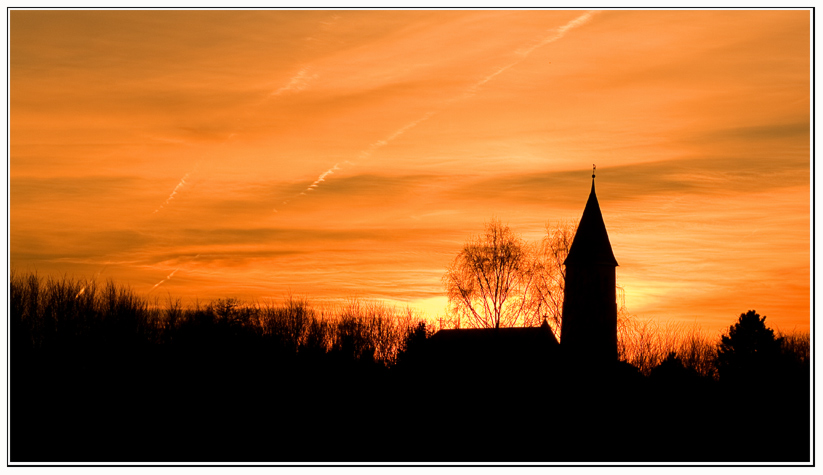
[339,154]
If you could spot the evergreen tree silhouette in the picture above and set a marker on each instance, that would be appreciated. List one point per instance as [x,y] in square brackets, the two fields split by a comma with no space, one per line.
[749,351]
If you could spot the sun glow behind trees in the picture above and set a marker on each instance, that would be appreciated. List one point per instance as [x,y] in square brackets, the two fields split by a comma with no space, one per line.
[698,121]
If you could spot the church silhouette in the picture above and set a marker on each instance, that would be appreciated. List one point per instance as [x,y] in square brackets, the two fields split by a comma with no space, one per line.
[588,332]
[589,327]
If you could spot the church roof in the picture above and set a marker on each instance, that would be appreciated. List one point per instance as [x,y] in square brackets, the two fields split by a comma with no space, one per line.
[484,352]
[591,241]
[503,336]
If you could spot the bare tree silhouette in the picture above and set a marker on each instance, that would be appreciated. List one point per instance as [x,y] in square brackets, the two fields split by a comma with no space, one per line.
[488,283]
[550,274]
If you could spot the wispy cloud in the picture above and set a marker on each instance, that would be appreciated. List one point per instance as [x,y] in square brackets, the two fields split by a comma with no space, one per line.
[34,188]
[556,34]
[690,177]
[331,21]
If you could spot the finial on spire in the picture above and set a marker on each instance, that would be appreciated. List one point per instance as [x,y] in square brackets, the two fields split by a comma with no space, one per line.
[594,167]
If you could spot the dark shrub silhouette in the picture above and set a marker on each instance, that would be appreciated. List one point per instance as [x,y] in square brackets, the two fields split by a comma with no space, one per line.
[673,371]
[749,351]
[414,344]
[755,371]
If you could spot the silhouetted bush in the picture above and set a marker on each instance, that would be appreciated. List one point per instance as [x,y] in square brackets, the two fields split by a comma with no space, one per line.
[647,343]
[64,313]
[796,347]
[672,371]
[288,324]
[749,351]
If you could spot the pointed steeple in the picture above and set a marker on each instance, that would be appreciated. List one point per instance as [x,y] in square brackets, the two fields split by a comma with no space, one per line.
[589,328]
[591,241]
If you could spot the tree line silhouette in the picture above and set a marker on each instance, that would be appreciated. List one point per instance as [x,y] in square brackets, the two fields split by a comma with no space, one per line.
[98,373]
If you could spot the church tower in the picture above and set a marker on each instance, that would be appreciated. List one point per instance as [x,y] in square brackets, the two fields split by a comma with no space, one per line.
[589,328]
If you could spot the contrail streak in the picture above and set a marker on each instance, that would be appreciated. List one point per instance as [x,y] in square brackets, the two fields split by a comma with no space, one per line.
[366,153]
[168,277]
[83,290]
[559,33]
[524,53]
[373,147]
[164,280]
[322,178]
[556,34]
[297,83]
[174,192]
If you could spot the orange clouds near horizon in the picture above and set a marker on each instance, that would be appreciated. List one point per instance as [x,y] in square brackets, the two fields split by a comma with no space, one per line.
[331,154]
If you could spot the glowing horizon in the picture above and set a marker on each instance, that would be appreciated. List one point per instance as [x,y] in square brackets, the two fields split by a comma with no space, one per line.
[350,153]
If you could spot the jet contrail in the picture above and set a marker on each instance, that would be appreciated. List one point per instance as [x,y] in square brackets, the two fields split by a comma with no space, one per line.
[366,153]
[101,270]
[164,280]
[556,35]
[471,91]
[373,147]
[322,178]
[174,192]
[168,277]
[297,83]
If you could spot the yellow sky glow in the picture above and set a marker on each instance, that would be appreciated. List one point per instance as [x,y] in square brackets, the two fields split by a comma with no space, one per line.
[335,154]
